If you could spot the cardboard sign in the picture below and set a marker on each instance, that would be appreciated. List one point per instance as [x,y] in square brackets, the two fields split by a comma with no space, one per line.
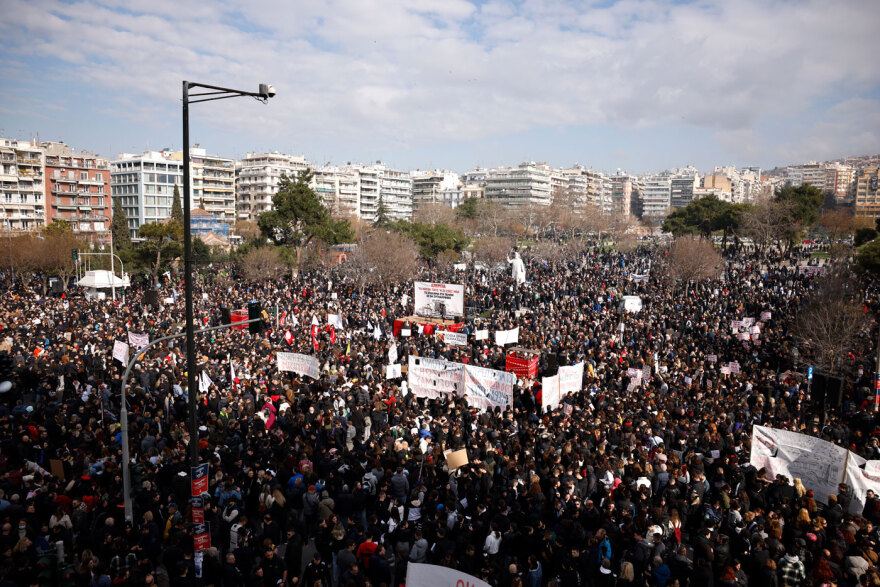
[712,358]
[456,458]
[393,371]
[765,316]
[120,352]
[481,335]
[503,337]
[57,468]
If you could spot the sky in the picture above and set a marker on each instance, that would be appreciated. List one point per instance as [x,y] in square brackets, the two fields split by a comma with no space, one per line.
[640,85]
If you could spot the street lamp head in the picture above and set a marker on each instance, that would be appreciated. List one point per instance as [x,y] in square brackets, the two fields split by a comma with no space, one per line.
[267,91]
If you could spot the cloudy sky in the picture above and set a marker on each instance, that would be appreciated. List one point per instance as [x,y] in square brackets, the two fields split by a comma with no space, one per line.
[635,84]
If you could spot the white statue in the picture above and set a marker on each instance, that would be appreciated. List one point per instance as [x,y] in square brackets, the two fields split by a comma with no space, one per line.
[517,269]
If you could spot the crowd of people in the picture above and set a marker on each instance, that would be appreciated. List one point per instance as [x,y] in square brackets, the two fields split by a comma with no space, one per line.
[343,480]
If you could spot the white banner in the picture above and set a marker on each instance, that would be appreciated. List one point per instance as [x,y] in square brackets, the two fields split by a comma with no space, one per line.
[454,338]
[392,371]
[420,575]
[138,341]
[335,320]
[120,352]
[433,377]
[819,464]
[438,299]
[550,397]
[481,335]
[301,364]
[503,337]
[487,388]
[392,353]
[571,379]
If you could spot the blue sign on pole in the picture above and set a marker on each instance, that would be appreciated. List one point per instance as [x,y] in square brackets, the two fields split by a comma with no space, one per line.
[810,373]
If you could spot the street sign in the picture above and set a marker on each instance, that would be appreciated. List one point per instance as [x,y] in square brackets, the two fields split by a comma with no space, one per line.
[810,373]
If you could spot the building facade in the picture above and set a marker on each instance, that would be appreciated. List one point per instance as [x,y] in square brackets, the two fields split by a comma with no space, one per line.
[212,183]
[22,186]
[436,187]
[78,190]
[145,186]
[622,186]
[257,178]
[517,187]
[867,196]
[682,185]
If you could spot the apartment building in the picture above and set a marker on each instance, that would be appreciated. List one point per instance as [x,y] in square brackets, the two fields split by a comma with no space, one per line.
[436,187]
[339,189]
[22,186]
[867,192]
[622,186]
[257,177]
[396,193]
[519,186]
[683,182]
[212,183]
[78,190]
[656,195]
[145,185]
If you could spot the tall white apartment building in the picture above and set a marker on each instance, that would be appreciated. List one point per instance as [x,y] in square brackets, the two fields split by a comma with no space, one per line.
[623,186]
[683,182]
[396,194]
[256,181]
[339,189]
[145,186]
[588,187]
[22,185]
[436,187]
[519,186]
[212,183]
[656,195]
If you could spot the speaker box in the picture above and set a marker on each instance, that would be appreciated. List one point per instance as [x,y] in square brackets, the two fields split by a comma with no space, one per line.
[225,315]
[827,390]
[255,310]
[151,298]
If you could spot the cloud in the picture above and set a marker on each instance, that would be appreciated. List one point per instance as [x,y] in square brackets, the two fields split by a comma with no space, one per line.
[413,73]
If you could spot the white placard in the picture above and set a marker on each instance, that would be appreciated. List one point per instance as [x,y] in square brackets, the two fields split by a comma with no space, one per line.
[120,352]
[438,299]
[138,341]
[765,316]
[503,337]
[405,332]
[550,396]
[488,388]
[481,335]
[712,358]
[392,353]
[335,320]
[571,379]
[421,575]
[392,371]
[432,378]
[454,338]
[301,364]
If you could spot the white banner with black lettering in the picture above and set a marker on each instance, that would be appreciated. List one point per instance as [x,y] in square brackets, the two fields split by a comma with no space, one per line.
[550,396]
[301,364]
[571,379]
[421,575]
[120,352]
[432,378]
[438,300]
[487,388]
[454,338]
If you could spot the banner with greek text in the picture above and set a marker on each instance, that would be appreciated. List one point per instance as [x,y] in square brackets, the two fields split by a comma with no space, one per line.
[487,388]
[421,575]
[301,364]
[432,378]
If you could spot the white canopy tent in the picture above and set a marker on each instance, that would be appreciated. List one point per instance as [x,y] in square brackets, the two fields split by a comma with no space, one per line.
[97,283]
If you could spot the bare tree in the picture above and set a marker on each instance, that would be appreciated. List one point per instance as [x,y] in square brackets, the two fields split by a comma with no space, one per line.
[262,264]
[434,213]
[767,223]
[491,250]
[831,321]
[383,256]
[492,218]
[693,259]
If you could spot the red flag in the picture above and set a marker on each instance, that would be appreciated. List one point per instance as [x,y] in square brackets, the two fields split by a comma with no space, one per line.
[332,334]
[288,337]
[315,336]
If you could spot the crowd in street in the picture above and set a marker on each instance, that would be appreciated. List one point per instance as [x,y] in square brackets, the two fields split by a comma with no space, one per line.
[342,480]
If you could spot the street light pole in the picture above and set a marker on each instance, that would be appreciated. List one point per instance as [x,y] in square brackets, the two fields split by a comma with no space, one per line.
[263,94]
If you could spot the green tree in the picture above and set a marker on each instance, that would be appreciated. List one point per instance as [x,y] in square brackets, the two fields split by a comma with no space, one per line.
[704,216]
[806,201]
[432,239]
[119,226]
[382,218]
[59,226]
[868,258]
[201,253]
[160,238]
[176,207]
[864,235]
[467,209]
[298,216]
